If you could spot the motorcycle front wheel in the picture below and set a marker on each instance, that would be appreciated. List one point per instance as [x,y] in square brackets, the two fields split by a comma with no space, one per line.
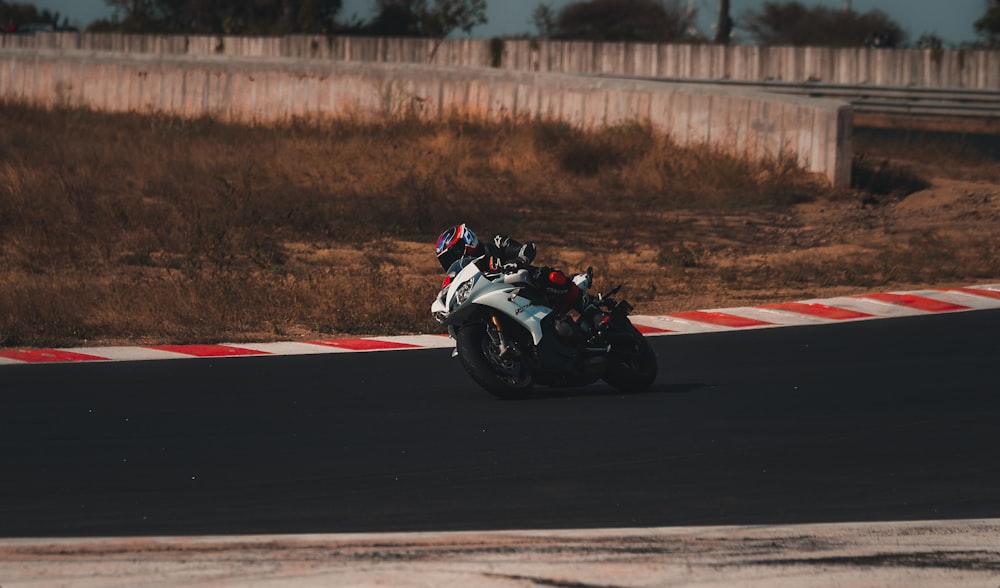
[635,371]
[507,376]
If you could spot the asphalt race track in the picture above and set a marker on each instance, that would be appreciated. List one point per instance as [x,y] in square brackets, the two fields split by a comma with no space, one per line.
[865,421]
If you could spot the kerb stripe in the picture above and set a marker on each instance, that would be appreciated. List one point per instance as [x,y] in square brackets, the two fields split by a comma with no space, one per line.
[975,292]
[46,355]
[820,310]
[363,344]
[918,302]
[720,318]
[208,350]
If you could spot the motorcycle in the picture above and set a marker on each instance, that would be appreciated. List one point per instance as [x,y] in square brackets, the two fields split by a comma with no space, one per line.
[509,338]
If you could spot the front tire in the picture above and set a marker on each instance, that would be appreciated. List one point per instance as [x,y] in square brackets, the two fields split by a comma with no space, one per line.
[633,372]
[510,376]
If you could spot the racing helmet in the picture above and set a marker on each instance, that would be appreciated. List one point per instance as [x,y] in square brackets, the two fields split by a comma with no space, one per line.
[455,243]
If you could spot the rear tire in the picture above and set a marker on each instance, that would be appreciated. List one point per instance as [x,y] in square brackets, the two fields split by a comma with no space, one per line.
[635,372]
[507,377]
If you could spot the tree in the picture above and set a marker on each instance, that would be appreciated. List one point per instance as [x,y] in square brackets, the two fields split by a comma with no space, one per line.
[317,16]
[463,15]
[725,27]
[135,15]
[422,19]
[544,19]
[21,14]
[989,25]
[792,23]
[395,18]
[226,16]
[930,41]
[650,21]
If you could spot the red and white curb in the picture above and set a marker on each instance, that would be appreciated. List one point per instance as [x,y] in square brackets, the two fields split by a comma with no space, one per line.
[819,311]
[806,312]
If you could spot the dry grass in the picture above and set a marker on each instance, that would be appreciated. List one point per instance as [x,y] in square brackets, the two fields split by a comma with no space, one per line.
[952,155]
[153,229]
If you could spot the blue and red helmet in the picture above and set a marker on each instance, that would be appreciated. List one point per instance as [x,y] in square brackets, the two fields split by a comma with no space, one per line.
[456,243]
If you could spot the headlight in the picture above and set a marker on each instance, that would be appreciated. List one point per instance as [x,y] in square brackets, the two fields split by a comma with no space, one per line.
[462,293]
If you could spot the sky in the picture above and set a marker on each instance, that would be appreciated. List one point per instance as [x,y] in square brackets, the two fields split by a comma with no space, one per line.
[949,19]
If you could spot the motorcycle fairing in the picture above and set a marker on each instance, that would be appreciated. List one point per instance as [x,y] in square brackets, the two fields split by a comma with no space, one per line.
[514,300]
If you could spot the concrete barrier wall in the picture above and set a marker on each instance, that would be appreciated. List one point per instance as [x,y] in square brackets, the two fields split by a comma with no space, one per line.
[816,132]
[851,66]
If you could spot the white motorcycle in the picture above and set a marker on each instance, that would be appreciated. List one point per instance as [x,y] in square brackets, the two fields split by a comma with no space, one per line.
[509,337]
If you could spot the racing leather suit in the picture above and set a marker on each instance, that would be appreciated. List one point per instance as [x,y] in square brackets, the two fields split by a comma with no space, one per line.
[507,255]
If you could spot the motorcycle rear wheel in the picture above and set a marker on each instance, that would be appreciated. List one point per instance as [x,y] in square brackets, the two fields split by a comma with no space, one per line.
[510,376]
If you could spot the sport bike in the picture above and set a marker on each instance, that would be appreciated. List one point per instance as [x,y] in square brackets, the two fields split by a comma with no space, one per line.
[509,337]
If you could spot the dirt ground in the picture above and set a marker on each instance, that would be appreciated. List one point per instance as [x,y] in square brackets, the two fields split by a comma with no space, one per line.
[946,235]
[134,230]
[912,554]
[943,236]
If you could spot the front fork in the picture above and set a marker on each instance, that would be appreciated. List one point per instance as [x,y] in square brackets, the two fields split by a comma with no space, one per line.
[496,335]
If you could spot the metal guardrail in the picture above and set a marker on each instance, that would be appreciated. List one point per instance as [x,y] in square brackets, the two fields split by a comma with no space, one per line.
[912,101]
[929,102]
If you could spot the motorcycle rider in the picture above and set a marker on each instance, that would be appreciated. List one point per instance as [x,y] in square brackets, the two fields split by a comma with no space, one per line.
[506,256]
